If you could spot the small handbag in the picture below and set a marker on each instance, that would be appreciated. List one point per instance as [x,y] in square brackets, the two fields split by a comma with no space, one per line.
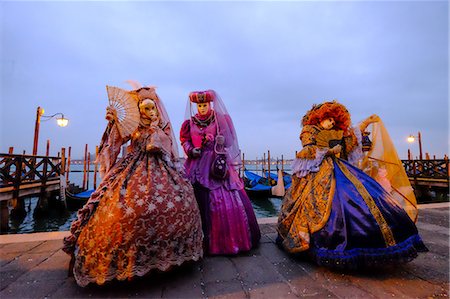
[219,166]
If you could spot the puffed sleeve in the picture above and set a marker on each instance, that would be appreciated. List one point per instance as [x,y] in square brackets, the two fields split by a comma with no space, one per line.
[308,139]
[185,138]
[109,148]
[311,156]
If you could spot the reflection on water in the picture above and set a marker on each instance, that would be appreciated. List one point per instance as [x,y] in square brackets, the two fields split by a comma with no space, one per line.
[55,221]
[266,207]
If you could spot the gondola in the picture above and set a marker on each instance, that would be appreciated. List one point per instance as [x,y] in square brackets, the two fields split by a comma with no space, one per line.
[258,187]
[75,201]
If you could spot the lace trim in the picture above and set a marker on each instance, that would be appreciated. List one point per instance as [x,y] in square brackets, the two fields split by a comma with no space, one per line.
[302,167]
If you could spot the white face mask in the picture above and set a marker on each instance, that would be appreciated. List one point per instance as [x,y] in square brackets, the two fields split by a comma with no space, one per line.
[148,110]
[327,123]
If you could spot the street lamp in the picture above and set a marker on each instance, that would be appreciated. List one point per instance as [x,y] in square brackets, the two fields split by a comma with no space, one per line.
[412,138]
[61,121]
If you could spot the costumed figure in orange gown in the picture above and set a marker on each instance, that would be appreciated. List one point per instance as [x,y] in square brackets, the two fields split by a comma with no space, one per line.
[143,215]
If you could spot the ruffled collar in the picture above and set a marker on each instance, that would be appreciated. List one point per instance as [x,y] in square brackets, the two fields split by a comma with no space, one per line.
[204,120]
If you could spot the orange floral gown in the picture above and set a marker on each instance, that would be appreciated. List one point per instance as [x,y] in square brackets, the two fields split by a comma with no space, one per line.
[143,216]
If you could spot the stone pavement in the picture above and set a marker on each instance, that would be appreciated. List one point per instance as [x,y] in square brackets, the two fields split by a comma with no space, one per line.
[33,266]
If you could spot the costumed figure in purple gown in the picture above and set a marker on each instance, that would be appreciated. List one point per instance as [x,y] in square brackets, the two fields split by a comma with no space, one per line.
[143,215]
[210,143]
[338,214]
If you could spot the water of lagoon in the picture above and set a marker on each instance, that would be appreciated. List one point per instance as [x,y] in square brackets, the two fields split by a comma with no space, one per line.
[61,220]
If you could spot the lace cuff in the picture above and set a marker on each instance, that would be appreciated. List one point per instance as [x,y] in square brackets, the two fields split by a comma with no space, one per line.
[302,167]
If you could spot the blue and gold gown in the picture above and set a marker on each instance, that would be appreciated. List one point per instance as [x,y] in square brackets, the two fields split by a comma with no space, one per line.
[337,213]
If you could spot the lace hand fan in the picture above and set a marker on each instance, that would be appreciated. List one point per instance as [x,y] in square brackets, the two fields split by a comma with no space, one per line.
[126,108]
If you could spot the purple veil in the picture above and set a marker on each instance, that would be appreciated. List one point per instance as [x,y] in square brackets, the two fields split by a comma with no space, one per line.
[226,127]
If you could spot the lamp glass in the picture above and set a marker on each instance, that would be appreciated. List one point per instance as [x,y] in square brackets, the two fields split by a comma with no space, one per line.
[62,122]
[411,138]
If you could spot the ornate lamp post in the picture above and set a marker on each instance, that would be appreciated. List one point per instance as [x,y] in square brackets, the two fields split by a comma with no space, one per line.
[412,138]
[61,121]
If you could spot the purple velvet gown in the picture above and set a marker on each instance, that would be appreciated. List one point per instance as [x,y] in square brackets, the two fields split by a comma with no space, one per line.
[228,220]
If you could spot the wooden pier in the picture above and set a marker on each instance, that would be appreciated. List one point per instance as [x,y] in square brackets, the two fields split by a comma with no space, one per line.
[430,173]
[24,176]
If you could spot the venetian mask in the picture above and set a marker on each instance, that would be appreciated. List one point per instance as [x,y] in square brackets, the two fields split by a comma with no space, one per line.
[148,110]
[203,108]
[327,123]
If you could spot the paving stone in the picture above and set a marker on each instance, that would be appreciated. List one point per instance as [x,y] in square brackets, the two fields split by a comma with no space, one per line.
[429,267]
[267,228]
[20,247]
[218,269]
[438,216]
[274,254]
[19,266]
[301,283]
[48,246]
[271,291]
[186,282]
[265,239]
[225,289]
[397,280]
[30,289]
[70,289]
[55,267]
[6,258]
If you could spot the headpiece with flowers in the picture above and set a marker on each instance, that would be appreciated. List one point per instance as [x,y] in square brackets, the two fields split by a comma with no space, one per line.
[326,110]
[146,93]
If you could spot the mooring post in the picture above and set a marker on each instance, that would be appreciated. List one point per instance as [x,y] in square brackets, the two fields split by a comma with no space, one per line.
[18,204]
[95,167]
[4,213]
[68,165]
[84,167]
[88,170]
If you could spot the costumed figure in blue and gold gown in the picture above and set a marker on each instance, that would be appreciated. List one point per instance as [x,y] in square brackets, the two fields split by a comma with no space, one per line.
[348,209]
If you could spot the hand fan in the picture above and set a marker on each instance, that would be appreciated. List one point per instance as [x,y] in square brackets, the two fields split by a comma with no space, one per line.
[324,137]
[127,110]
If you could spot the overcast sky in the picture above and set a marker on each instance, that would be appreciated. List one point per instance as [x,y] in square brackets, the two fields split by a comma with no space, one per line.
[269,61]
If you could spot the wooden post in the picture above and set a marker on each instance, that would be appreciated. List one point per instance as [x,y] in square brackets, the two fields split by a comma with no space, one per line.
[95,167]
[268,167]
[47,151]
[68,164]
[18,204]
[84,167]
[243,160]
[63,161]
[420,145]
[4,213]
[88,169]
[36,130]
[409,154]
[11,150]
[264,165]
[282,164]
